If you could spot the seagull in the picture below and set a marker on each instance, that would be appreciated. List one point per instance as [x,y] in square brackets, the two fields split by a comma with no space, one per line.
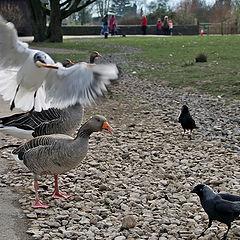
[31,80]
[50,121]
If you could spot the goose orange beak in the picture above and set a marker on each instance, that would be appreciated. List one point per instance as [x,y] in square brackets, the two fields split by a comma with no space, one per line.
[71,63]
[107,128]
[99,55]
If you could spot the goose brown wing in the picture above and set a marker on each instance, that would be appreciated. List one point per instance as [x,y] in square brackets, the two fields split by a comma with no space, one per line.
[28,121]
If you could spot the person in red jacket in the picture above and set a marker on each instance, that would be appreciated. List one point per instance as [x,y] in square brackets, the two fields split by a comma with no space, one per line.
[159,27]
[144,25]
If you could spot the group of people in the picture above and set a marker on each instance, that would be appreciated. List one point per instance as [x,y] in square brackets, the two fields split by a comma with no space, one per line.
[110,26]
[163,28]
[112,29]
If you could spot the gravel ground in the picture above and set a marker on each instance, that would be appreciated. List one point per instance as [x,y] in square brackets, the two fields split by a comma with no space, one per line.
[135,184]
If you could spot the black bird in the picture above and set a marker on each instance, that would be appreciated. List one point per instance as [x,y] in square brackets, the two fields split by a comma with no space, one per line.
[186,120]
[222,207]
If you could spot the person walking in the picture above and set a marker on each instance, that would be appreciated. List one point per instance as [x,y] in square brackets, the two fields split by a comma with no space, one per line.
[144,24]
[159,27]
[170,24]
[104,30]
[112,25]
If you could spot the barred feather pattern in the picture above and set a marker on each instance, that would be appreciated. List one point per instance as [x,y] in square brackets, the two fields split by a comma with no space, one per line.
[51,154]
[57,153]
[51,121]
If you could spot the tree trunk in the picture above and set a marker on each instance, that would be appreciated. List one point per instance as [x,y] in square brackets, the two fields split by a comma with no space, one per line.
[55,26]
[38,17]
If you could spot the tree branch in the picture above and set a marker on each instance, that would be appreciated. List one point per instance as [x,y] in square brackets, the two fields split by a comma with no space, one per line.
[75,8]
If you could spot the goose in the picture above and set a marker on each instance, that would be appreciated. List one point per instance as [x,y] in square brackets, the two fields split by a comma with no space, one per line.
[30,79]
[50,121]
[56,154]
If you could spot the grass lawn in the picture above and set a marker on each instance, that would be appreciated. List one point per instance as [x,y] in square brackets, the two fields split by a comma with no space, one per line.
[171,60]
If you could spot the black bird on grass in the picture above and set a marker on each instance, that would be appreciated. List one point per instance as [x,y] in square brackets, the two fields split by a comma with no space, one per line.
[222,207]
[186,120]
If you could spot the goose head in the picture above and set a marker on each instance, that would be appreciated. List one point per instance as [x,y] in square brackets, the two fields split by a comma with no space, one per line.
[99,123]
[94,55]
[95,124]
[67,62]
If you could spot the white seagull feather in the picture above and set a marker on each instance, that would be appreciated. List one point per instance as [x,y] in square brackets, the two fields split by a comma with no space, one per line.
[60,87]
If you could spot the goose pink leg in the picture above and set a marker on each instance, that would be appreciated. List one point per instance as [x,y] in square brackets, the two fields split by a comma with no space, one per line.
[38,203]
[56,193]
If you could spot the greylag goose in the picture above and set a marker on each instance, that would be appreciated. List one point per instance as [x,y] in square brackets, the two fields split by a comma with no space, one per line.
[57,154]
[93,56]
[30,78]
[186,120]
[51,121]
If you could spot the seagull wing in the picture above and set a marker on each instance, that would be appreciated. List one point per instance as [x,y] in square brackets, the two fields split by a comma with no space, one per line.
[81,83]
[13,52]
[17,67]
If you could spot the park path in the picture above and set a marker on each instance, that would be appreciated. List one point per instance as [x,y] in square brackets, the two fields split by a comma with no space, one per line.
[145,169]
[13,223]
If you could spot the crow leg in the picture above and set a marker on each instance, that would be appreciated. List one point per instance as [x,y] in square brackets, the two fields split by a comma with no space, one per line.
[226,233]
[13,101]
[183,133]
[190,134]
[209,225]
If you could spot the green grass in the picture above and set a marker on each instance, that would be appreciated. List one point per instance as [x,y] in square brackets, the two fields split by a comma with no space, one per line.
[171,60]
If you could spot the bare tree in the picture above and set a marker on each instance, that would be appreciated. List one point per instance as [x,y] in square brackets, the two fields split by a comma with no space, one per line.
[102,7]
[189,10]
[236,13]
[57,10]
[13,12]
[221,11]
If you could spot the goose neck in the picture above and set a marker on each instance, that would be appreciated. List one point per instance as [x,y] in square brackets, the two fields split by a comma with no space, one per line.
[84,131]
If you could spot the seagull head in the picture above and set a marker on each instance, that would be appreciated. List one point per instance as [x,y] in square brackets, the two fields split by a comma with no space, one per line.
[39,57]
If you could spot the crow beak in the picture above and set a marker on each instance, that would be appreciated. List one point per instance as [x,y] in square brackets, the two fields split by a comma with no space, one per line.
[40,64]
[107,128]
[193,191]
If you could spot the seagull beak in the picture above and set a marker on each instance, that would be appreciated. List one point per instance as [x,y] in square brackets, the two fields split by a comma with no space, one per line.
[40,64]
[107,128]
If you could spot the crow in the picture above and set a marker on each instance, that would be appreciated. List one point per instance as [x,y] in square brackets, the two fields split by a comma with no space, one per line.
[186,120]
[222,207]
